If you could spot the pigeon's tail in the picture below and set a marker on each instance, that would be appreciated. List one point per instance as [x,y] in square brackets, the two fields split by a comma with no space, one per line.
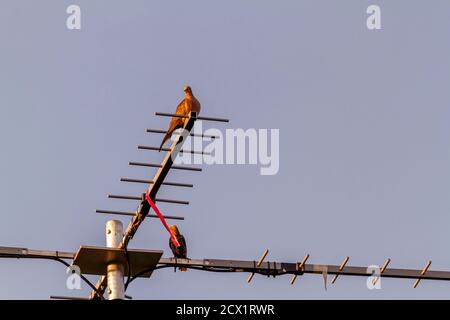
[167,136]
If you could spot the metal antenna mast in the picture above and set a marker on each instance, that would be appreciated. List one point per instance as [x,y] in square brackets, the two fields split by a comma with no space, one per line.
[153,189]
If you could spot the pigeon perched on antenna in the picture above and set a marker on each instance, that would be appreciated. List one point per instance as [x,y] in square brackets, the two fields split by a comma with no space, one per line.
[189,103]
[181,251]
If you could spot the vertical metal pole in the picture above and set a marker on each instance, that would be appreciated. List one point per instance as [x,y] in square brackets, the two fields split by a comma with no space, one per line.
[116,287]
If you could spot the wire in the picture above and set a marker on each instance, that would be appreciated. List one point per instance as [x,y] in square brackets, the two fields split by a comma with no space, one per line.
[198,268]
[60,261]
[129,268]
[137,275]
[130,278]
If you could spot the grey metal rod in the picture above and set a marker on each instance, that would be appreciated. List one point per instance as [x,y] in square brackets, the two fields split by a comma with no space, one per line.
[68,298]
[191,134]
[154,165]
[175,184]
[168,149]
[291,268]
[15,252]
[249,266]
[163,114]
[172,201]
[115,196]
[124,213]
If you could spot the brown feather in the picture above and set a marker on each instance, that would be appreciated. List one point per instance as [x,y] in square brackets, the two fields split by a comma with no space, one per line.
[175,123]
[189,103]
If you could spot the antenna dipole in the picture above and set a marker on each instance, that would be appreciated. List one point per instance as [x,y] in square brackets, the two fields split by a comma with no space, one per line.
[152,190]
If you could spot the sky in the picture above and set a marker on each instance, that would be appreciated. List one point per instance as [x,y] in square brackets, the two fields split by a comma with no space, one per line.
[364,138]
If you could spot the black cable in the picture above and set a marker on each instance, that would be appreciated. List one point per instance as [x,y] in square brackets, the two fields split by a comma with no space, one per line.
[211,270]
[147,270]
[129,268]
[82,277]
[196,268]
[131,279]
[64,263]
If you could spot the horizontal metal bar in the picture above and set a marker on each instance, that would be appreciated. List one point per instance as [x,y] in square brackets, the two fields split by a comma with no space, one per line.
[388,273]
[248,266]
[168,149]
[68,298]
[191,134]
[153,165]
[282,267]
[163,114]
[172,201]
[124,213]
[115,196]
[14,252]
[213,119]
[175,184]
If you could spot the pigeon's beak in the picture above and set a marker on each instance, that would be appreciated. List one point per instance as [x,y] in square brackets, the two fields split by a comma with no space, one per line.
[186,88]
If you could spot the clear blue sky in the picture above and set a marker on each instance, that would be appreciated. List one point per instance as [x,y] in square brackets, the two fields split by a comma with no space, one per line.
[364,137]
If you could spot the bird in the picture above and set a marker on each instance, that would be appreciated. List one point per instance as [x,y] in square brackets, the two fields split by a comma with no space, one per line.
[181,251]
[189,104]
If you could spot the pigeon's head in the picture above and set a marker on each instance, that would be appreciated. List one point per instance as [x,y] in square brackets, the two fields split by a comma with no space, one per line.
[174,229]
[187,90]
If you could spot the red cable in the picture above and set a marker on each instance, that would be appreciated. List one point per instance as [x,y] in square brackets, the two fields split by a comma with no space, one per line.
[161,217]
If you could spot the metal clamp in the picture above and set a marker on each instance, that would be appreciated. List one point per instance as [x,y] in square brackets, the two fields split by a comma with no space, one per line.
[422,274]
[260,261]
[383,268]
[299,268]
[340,269]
